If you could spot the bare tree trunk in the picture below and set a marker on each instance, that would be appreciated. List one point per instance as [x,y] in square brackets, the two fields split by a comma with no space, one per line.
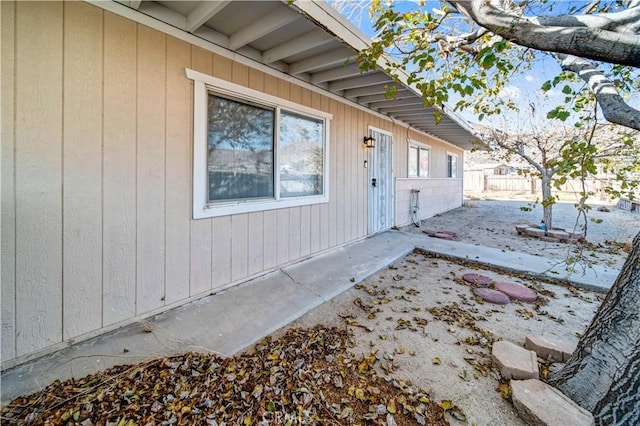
[547,204]
[603,374]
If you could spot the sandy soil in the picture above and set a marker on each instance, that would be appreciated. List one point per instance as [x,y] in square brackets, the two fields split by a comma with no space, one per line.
[425,326]
[491,223]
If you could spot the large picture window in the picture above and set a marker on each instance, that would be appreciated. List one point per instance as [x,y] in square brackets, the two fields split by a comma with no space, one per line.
[419,160]
[254,151]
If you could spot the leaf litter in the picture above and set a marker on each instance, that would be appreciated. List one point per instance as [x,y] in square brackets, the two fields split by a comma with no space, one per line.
[308,376]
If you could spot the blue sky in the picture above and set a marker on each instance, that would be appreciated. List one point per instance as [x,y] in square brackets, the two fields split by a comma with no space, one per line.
[523,89]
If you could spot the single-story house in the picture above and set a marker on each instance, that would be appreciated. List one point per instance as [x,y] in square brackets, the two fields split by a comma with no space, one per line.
[154,152]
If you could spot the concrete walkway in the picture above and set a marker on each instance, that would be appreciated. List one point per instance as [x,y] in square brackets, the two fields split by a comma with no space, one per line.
[232,320]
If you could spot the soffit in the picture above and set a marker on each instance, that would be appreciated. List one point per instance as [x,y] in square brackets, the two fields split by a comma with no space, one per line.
[310,41]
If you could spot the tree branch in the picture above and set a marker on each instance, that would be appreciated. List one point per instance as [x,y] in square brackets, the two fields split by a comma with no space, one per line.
[520,152]
[616,22]
[593,43]
[613,106]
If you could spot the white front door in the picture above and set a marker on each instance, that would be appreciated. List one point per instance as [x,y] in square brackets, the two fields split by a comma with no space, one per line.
[380,181]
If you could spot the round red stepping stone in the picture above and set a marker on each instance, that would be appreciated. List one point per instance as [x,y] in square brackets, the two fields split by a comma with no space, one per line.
[517,291]
[493,296]
[478,279]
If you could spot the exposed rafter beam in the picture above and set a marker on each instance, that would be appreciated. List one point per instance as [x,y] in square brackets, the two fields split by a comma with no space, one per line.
[410,115]
[427,122]
[263,26]
[212,36]
[393,111]
[331,58]
[400,94]
[389,105]
[297,45]
[350,70]
[133,4]
[205,11]
[355,82]
[369,90]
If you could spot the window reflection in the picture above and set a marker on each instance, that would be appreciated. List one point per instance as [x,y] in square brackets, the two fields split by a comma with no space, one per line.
[240,150]
[300,155]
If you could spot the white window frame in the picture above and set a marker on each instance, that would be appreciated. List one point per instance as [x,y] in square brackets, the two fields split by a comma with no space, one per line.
[449,175]
[419,146]
[204,84]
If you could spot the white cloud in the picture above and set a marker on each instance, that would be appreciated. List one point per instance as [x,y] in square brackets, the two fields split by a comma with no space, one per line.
[531,78]
[551,93]
[510,92]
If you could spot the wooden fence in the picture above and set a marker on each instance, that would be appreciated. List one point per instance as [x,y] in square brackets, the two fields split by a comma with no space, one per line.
[476,182]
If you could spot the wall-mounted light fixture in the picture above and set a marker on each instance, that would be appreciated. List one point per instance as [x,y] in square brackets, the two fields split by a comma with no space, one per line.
[369,142]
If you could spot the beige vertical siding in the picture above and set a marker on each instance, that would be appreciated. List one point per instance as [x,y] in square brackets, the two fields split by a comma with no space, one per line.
[178,173]
[119,170]
[151,157]
[38,174]
[201,244]
[97,177]
[82,164]
[8,200]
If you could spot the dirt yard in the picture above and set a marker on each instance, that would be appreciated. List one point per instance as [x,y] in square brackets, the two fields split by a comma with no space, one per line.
[425,326]
[492,224]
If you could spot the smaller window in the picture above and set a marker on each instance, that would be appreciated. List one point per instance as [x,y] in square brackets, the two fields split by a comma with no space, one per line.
[452,165]
[419,160]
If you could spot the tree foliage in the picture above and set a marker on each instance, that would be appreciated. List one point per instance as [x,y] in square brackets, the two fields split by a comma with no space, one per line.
[468,51]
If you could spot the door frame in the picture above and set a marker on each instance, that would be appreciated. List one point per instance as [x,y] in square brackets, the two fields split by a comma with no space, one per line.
[390,187]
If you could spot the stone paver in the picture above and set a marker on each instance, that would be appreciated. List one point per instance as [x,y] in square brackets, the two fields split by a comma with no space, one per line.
[516,291]
[492,296]
[539,404]
[514,361]
[443,234]
[549,347]
[521,228]
[481,280]
[559,234]
[535,232]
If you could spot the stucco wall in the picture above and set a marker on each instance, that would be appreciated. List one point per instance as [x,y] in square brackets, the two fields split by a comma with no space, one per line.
[436,196]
